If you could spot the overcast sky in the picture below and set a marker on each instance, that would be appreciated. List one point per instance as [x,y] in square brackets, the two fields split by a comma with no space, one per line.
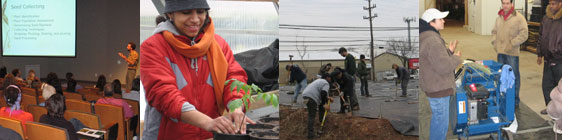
[348,13]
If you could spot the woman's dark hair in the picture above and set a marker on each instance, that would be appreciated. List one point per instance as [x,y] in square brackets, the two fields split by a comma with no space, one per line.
[101,82]
[15,72]
[53,80]
[55,106]
[3,72]
[108,90]
[9,79]
[136,84]
[133,46]
[160,19]
[11,94]
[117,86]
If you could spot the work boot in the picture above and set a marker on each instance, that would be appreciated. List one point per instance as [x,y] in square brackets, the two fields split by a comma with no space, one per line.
[403,95]
[544,112]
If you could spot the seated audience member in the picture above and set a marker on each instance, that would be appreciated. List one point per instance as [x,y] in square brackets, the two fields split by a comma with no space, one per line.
[134,94]
[48,91]
[70,83]
[9,134]
[12,95]
[17,75]
[53,80]
[117,86]
[3,72]
[31,79]
[55,115]
[101,82]
[108,99]
[9,79]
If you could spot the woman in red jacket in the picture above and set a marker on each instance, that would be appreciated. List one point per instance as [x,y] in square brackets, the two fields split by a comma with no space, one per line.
[183,67]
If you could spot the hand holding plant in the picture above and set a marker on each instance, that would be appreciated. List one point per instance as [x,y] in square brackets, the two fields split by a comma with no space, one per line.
[235,106]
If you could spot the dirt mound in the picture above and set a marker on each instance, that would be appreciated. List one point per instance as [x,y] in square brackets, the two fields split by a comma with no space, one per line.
[338,126]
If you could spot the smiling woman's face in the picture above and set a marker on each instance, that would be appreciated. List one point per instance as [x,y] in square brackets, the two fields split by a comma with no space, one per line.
[189,22]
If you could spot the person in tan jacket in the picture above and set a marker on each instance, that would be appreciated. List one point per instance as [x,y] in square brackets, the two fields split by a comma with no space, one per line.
[437,65]
[510,31]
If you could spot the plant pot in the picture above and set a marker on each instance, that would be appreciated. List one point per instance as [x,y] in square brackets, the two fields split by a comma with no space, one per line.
[266,135]
[270,120]
[258,127]
[221,136]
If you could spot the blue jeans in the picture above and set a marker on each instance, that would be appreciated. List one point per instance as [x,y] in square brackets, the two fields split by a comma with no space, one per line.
[512,61]
[300,86]
[439,118]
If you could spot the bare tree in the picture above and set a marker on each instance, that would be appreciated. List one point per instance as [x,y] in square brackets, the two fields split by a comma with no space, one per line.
[302,53]
[401,48]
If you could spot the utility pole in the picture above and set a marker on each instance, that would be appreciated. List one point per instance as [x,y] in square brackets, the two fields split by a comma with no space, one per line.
[408,20]
[370,17]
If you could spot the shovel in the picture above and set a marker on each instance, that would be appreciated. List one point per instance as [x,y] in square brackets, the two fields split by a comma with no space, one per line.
[324,120]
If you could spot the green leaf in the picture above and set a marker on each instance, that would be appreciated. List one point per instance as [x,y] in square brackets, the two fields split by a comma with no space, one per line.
[275,100]
[252,100]
[234,104]
[239,85]
[267,99]
[256,88]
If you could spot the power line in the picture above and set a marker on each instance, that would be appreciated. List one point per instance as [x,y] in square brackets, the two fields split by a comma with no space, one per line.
[329,29]
[340,37]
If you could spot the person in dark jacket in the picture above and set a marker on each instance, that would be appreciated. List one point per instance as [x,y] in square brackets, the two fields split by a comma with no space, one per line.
[363,73]
[296,76]
[3,72]
[549,46]
[347,87]
[403,78]
[70,82]
[55,115]
[325,69]
[350,68]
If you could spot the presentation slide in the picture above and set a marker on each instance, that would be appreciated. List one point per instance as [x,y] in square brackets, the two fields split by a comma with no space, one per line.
[39,28]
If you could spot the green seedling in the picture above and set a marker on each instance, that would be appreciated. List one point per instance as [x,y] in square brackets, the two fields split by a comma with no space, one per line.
[268,98]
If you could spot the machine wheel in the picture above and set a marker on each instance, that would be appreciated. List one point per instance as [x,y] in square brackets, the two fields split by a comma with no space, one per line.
[507,135]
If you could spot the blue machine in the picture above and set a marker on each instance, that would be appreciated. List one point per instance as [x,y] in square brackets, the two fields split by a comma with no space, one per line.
[483,115]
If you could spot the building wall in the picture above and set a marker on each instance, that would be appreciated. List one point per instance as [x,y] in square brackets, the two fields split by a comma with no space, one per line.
[384,62]
[312,67]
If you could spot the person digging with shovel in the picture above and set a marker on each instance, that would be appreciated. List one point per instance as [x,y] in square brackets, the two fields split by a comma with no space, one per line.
[315,96]
[403,78]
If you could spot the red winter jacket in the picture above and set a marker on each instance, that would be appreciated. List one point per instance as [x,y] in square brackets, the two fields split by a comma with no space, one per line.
[171,79]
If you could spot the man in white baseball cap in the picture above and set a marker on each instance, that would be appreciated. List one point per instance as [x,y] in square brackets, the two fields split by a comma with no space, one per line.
[437,80]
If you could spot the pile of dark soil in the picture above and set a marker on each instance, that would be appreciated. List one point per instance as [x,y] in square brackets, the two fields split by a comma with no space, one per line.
[337,126]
